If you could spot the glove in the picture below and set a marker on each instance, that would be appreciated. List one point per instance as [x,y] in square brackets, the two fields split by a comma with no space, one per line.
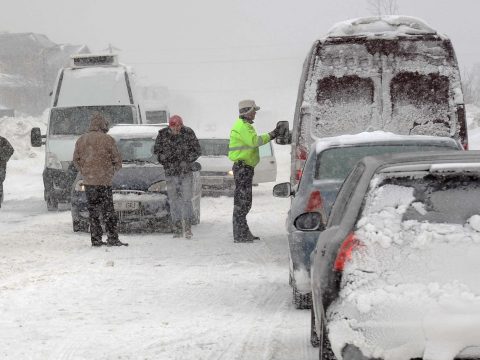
[273,134]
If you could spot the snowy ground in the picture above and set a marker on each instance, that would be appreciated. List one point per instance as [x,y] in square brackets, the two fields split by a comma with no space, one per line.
[160,298]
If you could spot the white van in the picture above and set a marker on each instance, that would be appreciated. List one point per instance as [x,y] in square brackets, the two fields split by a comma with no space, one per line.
[93,83]
[390,73]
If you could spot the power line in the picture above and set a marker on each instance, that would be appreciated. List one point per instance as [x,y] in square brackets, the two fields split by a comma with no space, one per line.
[215,61]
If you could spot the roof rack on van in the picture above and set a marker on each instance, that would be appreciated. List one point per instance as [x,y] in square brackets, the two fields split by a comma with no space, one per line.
[85,60]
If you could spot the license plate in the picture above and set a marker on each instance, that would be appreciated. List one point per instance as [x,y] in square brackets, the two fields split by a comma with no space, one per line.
[126,205]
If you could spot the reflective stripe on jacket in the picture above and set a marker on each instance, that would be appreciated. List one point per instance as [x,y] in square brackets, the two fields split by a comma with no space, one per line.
[244,143]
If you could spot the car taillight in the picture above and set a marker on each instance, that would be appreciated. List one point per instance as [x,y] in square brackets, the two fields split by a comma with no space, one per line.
[301,153]
[298,175]
[345,252]
[465,145]
[300,157]
[315,202]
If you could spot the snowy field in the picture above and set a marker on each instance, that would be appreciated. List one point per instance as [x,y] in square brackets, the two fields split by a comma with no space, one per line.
[159,298]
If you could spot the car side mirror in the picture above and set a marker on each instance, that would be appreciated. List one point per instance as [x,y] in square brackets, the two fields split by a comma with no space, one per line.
[284,136]
[282,190]
[36,137]
[310,221]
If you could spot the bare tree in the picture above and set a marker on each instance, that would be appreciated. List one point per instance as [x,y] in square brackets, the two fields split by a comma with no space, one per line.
[383,7]
[471,84]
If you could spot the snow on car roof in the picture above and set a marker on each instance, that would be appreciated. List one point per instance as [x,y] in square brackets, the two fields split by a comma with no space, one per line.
[387,27]
[376,136]
[135,130]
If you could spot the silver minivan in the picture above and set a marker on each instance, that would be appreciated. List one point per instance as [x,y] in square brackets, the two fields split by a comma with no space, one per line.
[217,175]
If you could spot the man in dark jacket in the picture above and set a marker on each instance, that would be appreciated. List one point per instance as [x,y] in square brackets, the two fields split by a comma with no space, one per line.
[97,158]
[6,151]
[177,148]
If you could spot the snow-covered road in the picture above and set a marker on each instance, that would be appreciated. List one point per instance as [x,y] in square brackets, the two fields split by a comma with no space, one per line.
[159,298]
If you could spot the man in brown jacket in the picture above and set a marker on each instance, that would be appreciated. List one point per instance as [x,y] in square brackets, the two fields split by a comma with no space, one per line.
[97,158]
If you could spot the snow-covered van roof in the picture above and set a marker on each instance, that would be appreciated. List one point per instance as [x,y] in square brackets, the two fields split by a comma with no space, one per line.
[381,27]
[125,131]
[378,137]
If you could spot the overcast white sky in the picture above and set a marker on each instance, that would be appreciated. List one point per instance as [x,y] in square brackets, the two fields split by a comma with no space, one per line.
[215,52]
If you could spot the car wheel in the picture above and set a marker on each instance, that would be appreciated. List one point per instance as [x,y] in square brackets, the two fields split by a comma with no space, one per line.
[314,340]
[301,301]
[80,226]
[325,348]
[52,203]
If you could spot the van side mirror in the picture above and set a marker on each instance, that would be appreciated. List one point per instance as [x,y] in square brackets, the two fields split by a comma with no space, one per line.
[282,190]
[310,221]
[36,137]
[284,136]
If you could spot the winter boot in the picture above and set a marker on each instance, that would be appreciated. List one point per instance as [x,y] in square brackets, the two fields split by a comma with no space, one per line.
[188,230]
[251,236]
[115,242]
[177,229]
[98,243]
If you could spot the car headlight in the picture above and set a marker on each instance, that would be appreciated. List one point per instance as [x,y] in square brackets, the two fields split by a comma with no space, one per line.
[79,186]
[52,161]
[230,172]
[160,186]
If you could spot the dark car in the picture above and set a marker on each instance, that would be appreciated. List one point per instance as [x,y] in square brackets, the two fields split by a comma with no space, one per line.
[139,188]
[395,273]
[329,162]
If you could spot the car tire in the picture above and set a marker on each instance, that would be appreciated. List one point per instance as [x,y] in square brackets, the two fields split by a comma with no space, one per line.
[80,226]
[314,340]
[52,203]
[301,301]
[325,351]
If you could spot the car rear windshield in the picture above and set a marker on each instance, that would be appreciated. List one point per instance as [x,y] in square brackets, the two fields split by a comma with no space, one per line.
[435,198]
[336,163]
[76,120]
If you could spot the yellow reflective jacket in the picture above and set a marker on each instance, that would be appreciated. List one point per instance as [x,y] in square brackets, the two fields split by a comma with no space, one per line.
[244,143]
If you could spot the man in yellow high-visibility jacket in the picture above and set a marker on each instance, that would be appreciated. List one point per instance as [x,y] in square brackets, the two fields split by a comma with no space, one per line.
[243,151]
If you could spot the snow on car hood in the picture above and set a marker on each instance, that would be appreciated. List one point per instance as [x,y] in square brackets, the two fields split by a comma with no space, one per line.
[412,288]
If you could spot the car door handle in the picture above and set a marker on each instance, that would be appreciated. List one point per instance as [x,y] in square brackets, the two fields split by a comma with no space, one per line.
[272,162]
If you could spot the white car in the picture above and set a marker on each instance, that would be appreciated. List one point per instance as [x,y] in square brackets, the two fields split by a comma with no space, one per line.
[216,174]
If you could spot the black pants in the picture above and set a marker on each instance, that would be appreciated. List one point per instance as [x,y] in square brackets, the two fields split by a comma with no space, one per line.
[242,199]
[100,204]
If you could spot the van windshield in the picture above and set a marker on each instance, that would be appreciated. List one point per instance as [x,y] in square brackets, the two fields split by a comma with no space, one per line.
[76,120]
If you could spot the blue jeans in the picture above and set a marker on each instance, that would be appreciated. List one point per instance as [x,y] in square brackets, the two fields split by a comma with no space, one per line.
[180,193]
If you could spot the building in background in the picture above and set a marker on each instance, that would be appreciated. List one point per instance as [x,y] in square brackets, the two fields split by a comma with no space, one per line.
[29,64]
